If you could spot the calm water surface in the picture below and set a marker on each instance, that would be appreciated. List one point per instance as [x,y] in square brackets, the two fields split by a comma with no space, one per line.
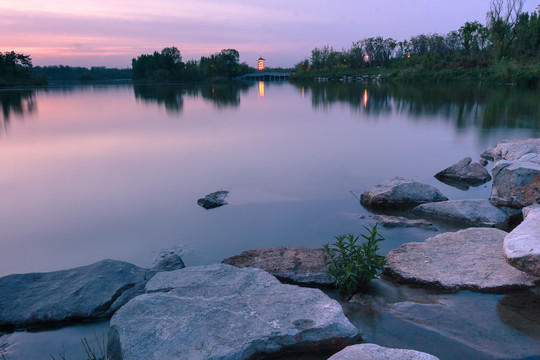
[94,172]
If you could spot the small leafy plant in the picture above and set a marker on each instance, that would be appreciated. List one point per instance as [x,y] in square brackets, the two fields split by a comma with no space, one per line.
[353,265]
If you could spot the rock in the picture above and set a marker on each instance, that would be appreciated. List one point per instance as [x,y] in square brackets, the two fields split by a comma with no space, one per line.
[483,162]
[469,213]
[298,265]
[467,171]
[376,352]
[400,221]
[88,293]
[400,193]
[521,247]
[516,183]
[223,312]
[489,154]
[528,209]
[468,259]
[213,200]
[514,149]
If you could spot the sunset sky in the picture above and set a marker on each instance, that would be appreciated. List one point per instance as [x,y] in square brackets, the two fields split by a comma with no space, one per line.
[112,32]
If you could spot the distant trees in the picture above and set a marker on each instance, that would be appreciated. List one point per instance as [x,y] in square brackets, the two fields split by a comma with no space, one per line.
[70,73]
[14,67]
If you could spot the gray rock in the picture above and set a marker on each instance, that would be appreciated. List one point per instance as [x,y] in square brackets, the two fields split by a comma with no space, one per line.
[489,154]
[376,352]
[515,149]
[469,259]
[469,213]
[483,162]
[400,221]
[88,293]
[299,265]
[400,193]
[516,183]
[528,209]
[213,200]
[223,312]
[521,247]
[467,171]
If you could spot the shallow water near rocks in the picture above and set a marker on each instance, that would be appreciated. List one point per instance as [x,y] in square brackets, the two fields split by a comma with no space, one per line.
[115,171]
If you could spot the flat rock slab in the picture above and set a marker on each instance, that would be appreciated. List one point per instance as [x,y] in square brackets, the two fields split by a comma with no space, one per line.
[390,221]
[521,247]
[376,352]
[223,312]
[501,327]
[299,265]
[467,171]
[400,193]
[469,213]
[213,200]
[516,183]
[513,149]
[87,293]
[469,259]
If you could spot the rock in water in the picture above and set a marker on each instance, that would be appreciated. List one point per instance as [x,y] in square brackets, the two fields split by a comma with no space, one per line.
[514,149]
[522,246]
[400,221]
[223,312]
[467,171]
[469,213]
[376,352]
[298,265]
[400,193]
[213,200]
[469,259]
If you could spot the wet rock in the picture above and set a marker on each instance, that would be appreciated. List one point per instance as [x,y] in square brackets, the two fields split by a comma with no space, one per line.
[521,247]
[213,200]
[376,352]
[469,259]
[88,293]
[400,193]
[514,149]
[469,213]
[483,162]
[467,171]
[400,221]
[223,312]
[299,265]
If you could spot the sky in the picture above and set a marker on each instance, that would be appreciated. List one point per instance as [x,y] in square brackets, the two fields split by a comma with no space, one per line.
[112,32]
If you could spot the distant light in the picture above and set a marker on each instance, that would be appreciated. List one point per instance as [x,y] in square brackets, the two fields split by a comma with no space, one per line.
[365,98]
[409,55]
[366,57]
[261,89]
[260,63]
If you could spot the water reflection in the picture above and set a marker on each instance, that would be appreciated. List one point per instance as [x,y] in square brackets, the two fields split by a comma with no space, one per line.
[521,311]
[226,94]
[16,103]
[466,106]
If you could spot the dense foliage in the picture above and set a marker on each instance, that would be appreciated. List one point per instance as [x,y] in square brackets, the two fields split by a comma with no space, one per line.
[506,49]
[167,66]
[15,69]
[68,73]
[354,265]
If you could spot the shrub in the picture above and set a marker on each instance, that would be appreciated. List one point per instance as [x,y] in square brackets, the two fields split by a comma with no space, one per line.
[354,265]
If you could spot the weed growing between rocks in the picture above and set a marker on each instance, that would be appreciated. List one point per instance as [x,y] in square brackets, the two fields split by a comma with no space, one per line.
[91,352]
[352,264]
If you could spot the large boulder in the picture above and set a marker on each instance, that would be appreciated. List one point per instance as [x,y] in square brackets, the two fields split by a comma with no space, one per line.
[466,171]
[400,193]
[521,247]
[299,265]
[376,352]
[516,183]
[469,213]
[512,149]
[86,293]
[469,259]
[223,312]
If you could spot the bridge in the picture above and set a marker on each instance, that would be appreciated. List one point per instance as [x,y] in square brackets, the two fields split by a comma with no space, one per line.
[265,76]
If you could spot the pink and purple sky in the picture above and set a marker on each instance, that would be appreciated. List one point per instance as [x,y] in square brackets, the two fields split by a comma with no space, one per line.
[111,32]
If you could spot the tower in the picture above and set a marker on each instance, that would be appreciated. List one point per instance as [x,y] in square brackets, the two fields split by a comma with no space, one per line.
[260,63]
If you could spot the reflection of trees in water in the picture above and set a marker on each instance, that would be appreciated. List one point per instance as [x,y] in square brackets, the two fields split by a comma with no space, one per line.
[172,97]
[16,103]
[465,106]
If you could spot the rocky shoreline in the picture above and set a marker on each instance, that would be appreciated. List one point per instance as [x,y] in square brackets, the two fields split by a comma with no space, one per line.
[248,307]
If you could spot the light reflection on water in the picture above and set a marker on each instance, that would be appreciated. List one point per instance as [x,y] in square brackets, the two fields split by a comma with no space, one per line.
[115,171]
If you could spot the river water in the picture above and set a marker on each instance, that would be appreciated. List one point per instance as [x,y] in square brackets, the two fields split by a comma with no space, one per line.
[115,171]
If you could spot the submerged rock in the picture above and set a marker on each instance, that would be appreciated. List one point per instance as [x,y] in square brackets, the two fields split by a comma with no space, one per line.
[223,312]
[213,200]
[299,265]
[469,259]
[87,293]
[466,171]
[376,352]
[469,213]
[521,247]
[400,221]
[400,193]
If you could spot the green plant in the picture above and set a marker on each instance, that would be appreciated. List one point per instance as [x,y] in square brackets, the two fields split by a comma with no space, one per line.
[91,353]
[353,265]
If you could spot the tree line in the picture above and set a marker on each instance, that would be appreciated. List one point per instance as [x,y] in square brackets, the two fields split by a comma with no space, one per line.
[510,36]
[15,68]
[167,66]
